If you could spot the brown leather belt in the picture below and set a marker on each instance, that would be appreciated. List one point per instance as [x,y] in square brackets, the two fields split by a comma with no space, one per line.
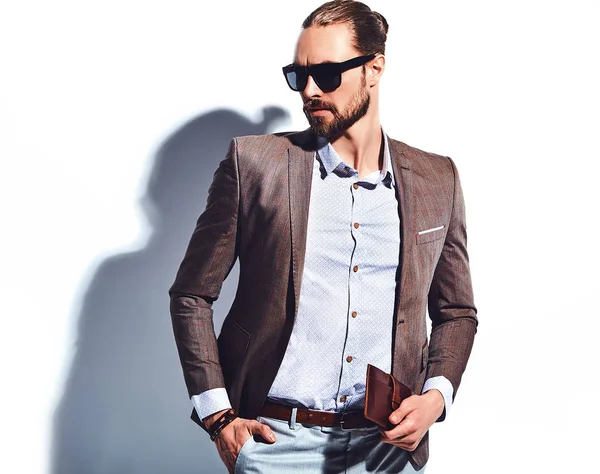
[351,420]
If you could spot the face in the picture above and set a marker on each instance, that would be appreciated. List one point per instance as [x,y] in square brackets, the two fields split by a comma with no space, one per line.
[331,114]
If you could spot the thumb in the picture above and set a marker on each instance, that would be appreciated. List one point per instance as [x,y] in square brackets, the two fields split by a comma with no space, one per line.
[404,409]
[258,428]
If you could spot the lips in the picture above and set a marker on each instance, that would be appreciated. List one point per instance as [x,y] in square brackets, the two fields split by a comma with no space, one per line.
[317,110]
[314,106]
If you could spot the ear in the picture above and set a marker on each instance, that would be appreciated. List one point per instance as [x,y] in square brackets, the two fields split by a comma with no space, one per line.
[375,70]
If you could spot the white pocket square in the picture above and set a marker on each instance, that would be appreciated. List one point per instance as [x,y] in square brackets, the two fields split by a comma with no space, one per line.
[430,230]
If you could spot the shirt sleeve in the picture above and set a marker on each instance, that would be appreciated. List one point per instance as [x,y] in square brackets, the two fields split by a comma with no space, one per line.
[210,402]
[444,386]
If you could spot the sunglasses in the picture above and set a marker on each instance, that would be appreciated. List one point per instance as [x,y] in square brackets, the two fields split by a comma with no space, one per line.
[327,76]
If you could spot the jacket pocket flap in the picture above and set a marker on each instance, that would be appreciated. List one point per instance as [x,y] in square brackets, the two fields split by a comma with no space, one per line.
[429,235]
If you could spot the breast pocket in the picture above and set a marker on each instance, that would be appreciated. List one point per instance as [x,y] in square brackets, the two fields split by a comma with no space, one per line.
[429,235]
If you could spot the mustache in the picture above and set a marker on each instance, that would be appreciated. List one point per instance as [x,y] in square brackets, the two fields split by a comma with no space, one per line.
[317,104]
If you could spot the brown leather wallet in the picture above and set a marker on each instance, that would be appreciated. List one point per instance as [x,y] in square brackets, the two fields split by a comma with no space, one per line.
[383,395]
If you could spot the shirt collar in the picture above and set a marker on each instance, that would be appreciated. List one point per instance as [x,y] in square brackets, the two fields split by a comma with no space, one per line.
[331,162]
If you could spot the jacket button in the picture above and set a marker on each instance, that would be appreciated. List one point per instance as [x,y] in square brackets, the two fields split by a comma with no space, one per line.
[349,359]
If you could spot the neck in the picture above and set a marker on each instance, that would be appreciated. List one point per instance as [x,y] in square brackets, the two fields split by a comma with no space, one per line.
[361,146]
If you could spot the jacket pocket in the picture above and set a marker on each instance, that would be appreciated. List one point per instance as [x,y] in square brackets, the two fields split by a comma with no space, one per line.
[233,345]
[429,235]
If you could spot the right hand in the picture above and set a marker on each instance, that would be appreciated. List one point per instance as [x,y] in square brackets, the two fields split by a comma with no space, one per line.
[230,441]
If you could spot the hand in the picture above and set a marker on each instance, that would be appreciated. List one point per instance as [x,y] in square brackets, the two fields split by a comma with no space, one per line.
[413,418]
[230,441]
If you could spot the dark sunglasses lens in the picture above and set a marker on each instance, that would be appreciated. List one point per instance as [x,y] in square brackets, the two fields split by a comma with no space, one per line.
[296,79]
[327,76]
[328,82]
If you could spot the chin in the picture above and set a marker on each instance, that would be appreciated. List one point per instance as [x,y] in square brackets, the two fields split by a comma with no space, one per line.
[319,125]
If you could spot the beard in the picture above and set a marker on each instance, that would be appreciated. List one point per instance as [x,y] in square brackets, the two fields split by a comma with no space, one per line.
[342,121]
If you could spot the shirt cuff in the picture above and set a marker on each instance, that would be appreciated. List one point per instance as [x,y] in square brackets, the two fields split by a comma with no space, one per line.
[442,384]
[210,402]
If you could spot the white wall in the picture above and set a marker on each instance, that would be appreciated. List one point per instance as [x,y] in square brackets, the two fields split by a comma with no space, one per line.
[93,98]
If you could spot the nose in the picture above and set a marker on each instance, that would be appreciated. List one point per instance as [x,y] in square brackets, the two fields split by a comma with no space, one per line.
[311,89]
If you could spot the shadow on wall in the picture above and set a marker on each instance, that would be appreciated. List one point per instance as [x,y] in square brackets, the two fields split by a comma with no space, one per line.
[125,408]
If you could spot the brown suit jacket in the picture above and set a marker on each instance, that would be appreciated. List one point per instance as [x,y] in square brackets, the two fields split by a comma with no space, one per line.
[257,211]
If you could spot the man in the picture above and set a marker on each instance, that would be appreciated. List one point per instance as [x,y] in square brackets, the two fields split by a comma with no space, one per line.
[344,237]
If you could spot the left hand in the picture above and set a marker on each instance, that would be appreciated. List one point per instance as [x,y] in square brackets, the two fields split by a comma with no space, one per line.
[413,418]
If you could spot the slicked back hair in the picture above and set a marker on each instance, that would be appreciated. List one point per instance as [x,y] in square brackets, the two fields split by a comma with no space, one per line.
[368,27]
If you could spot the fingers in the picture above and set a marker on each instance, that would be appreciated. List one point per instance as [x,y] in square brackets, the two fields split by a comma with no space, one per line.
[408,444]
[406,428]
[230,441]
[412,422]
[406,435]
[407,405]
[406,432]
[257,428]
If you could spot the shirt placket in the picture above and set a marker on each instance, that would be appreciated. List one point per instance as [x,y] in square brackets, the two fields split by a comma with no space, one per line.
[352,358]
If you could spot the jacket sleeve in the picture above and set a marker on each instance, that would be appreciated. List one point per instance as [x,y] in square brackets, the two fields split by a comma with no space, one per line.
[451,307]
[210,255]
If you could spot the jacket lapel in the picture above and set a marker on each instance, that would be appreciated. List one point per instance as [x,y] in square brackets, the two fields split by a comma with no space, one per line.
[300,168]
[404,193]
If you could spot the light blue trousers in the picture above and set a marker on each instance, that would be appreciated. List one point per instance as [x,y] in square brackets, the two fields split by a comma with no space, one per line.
[314,449]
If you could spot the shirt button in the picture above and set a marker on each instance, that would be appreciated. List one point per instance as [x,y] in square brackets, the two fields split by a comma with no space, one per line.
[346,169]
[354,314]
[356,225]
[355,268]
[343,398]
[349,359]
[355,185]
